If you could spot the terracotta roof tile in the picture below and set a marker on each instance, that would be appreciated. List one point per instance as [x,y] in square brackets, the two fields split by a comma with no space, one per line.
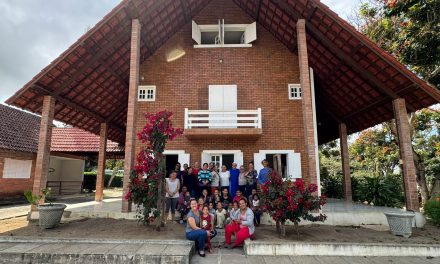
[78,140]
[19,131]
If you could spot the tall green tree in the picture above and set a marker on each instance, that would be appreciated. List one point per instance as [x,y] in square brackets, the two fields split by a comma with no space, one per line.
[408,29]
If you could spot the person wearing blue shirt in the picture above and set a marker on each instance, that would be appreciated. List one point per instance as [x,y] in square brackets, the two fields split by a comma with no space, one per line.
[234,179]
[264,172]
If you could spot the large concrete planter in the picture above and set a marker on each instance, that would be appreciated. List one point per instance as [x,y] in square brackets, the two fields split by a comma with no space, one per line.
[50,215]
[400,223]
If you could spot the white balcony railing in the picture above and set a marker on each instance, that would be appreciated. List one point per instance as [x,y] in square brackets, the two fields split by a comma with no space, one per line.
[222,119]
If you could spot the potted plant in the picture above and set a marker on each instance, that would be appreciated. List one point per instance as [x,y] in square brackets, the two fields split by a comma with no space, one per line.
[400,223]
[49,213]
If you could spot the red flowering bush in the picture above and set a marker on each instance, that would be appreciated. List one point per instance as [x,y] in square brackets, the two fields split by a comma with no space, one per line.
[146,180]
[291,200]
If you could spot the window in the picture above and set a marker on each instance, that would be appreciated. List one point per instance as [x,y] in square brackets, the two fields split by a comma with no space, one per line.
[17,169]
[295,91]
[224,35]
[147,93]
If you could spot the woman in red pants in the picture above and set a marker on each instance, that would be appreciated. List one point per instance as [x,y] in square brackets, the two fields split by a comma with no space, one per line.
[243,227]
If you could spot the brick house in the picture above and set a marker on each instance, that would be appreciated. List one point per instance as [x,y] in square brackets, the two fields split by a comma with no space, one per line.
[247,79]
[18,153]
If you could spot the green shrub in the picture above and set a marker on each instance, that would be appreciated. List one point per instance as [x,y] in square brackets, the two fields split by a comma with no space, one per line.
[332,187]
[89,182]
[432,210]
[381,191]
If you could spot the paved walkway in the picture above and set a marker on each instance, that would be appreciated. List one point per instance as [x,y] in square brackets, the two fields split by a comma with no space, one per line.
[236,256]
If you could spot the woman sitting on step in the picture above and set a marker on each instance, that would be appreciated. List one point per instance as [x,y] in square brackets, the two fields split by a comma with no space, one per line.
[243,227]
[193,230]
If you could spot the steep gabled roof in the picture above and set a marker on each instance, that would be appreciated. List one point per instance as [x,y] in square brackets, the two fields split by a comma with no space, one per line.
[355,80]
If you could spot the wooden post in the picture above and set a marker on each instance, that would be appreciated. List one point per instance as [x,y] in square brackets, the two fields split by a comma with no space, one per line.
[99,194]
[44,141]
[130,136]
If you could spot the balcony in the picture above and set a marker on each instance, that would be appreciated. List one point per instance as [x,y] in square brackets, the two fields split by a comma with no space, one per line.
[201,124]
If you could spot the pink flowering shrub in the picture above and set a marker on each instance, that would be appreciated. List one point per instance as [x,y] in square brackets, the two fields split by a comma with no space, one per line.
[146,180]
[291,200]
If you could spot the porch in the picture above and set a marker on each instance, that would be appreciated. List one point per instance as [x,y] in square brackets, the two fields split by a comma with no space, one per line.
[339,213]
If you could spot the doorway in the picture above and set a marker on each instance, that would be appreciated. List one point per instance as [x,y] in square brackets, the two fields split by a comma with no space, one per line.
[170,163]
[278,162]
[223,159]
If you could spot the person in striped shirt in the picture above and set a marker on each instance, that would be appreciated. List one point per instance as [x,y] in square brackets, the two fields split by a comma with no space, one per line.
[205,178]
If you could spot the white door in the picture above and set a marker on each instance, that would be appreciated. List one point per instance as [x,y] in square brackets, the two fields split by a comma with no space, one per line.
[223,104]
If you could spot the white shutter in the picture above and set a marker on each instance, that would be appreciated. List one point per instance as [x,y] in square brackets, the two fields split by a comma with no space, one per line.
[206,158]
[230,104]
[250,34]
[196,34]
[258,158]
[215,103]
[294,165]
[238,158]
[183,158]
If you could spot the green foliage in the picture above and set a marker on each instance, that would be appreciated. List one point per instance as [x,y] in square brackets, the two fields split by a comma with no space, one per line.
[432,210]
[35,199]
[381,191]
[89,182]
[408,30]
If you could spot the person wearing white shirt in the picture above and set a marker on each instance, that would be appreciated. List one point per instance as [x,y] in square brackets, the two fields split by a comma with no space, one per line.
[225,177]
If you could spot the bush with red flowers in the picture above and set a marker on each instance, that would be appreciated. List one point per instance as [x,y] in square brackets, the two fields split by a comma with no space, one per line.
[285,199]
[146,188]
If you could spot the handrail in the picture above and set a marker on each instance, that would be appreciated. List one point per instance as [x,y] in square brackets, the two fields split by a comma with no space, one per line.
[222,119]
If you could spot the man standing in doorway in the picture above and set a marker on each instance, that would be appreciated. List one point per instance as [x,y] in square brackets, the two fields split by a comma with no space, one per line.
[234,178]
[264,172]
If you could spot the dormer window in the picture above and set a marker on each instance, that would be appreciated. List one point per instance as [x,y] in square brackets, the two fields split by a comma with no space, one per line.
[224,35]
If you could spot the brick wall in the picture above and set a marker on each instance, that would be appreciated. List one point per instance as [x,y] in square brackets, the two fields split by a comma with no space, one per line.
[261,74]
[15,187]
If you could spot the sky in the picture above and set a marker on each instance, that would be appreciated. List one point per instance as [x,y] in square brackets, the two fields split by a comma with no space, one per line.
[34,32]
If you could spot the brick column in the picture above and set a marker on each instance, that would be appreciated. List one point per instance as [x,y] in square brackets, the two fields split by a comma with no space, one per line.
[44,141]
[346,179]
[406,155]
[130,136]
[307,105]
[99,194]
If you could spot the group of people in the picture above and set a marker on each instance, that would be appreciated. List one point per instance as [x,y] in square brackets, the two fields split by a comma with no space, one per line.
[202,196]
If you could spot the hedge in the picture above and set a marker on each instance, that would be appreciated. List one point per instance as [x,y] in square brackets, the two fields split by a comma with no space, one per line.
[89,182]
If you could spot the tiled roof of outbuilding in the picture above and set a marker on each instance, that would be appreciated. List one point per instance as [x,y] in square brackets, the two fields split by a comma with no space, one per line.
[19,131]
[77,140]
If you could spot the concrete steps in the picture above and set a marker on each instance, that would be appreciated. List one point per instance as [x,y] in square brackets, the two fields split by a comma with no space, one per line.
[55,250]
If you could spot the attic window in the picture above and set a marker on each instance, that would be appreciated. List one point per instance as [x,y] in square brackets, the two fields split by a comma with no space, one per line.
[147,93]
[295,91]
[224,35]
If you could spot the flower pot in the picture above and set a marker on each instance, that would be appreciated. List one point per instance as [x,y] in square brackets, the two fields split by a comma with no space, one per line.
[400,223]
[50,215]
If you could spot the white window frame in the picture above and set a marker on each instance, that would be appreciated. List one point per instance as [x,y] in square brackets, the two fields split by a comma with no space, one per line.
[145,89]
[249,34]
[17,169]
[298,91]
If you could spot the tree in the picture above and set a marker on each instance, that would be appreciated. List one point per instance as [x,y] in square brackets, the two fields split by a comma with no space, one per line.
[114,165]
[408,29]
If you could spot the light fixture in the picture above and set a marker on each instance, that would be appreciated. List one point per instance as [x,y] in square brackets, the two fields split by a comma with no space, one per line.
[175,54]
